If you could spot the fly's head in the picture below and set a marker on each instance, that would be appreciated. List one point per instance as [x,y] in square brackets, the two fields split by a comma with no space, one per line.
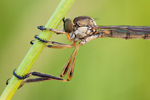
[68,26]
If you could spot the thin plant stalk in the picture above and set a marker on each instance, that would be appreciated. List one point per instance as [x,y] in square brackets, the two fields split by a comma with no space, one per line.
[36,49]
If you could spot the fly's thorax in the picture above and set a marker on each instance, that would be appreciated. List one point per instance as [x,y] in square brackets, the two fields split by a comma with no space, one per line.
[81,32]
[84,21]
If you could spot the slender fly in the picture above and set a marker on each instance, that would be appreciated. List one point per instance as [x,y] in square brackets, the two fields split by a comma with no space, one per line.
[83,29]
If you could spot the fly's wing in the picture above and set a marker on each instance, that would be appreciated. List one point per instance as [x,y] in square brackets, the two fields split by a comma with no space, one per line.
[127,32]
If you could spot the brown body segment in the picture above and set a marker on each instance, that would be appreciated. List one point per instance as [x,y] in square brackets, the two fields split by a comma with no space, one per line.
[83,21]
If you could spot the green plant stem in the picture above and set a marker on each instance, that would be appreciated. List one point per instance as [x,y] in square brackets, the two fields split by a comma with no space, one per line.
[36,49]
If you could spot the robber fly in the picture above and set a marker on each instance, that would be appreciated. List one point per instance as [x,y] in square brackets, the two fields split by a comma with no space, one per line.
[83,29]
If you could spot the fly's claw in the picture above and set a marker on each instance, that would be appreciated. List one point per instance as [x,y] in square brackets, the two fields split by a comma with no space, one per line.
[31,42]
[7,81]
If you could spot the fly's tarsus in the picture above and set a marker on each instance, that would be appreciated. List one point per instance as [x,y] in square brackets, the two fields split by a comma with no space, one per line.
[42,40]
[41,28]
[21,77]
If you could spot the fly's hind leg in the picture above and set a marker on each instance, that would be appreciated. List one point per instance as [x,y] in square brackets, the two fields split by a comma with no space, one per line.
[42,77]
[70,63]
[45,77]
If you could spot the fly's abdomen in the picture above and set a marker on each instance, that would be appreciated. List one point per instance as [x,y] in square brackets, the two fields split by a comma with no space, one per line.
[126,34]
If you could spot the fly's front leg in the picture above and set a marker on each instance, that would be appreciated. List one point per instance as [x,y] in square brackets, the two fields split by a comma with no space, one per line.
[56,31]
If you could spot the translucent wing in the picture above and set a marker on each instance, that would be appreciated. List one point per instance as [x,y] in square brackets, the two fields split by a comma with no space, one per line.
[127,32]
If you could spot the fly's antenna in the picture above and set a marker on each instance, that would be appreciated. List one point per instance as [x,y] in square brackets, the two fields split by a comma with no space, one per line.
[96,18]
[63,19]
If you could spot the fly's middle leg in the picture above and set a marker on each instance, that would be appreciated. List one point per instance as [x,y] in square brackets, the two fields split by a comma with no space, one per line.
[55,45]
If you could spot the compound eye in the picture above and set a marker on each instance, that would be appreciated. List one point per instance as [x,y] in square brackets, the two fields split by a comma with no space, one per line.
[68,26]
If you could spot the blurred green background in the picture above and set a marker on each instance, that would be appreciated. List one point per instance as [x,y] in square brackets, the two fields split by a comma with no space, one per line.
[105,69]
